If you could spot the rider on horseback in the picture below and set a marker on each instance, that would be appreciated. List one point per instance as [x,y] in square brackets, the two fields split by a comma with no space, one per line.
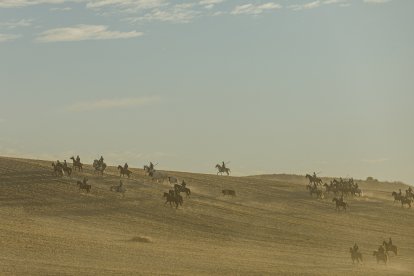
[101,160]
[65,165]
[78,159]
[314,175]
[126,166]
[355,248]
[183,184]
[223,166]
[151,166]
[390,242]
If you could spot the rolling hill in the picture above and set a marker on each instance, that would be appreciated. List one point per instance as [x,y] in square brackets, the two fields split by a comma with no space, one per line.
[272,226]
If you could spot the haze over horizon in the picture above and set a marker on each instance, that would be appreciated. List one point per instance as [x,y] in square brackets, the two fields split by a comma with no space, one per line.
[272,86]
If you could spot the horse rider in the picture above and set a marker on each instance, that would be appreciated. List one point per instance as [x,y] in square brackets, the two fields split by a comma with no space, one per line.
[101,160]
[65,165]
[314,175]
[400,194]
[390,242]
[355,248]
[78,159]
[58,164]
[151,166]
[183,184]
[223,165]
[126,166]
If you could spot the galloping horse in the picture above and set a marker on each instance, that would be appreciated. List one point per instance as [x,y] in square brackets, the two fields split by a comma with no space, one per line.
[99,167]
[406,200]
[123,171]
[222,170]
[397,197]
[313,179]
[390,247]
[57,169]
[172,197]
[84,186]
[339,204]
[76,164]
[355,255]
[180,188]
[381,256]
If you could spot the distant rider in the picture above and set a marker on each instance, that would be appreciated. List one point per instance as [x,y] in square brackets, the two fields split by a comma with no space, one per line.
[126,166]
[355,248]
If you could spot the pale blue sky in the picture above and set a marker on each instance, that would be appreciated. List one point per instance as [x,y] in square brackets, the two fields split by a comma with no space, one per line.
[272,86]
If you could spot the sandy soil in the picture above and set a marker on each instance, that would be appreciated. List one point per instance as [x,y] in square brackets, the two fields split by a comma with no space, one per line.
[272,226]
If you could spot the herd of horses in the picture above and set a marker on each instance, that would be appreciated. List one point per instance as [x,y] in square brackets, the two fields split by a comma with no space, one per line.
[381,255]
[337,187]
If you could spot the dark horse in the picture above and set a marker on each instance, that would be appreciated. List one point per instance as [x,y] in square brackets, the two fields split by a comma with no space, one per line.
[173,198]
[313,179]
[222,170]
[84,186]
[76,164]
[123,171]
[397,197]
[339,204]
[180,188]
[355,255]
[390,247]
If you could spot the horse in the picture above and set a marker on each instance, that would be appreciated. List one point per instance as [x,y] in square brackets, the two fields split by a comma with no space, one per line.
[147,169]
[222,170]
[381,256]
[406,200]
[58,171]
[76,164]
[390,247]
[67,170]
[84,186]
[99,168]
[174,198]
[339,204]
[118,188]
[397,197]
[158,176]
[180,188]
[313,179]
[123,171]
[172,180]
[229,192]
[355,256]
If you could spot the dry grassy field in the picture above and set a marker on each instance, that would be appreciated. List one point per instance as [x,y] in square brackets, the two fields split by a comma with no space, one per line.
[272,226]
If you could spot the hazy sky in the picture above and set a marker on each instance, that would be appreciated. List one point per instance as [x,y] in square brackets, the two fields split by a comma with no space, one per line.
[272,86]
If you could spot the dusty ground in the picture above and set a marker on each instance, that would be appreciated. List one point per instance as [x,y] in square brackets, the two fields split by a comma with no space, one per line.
[273,226]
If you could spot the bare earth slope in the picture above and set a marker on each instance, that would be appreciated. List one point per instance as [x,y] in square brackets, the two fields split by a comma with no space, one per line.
[272,226]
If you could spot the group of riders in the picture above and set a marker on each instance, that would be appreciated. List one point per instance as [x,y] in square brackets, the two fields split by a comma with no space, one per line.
[64,165]
[344,187]
[382,249]
[408,194]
